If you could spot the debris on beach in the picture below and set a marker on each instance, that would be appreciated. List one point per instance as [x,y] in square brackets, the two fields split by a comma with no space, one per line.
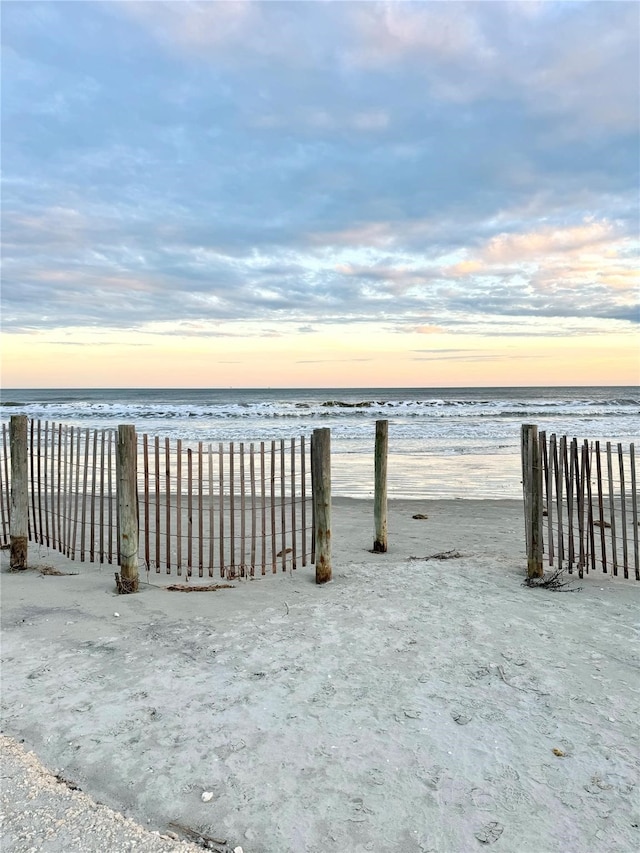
[49,571]
[558,752]
[185,587]
[205,841]
[442,555]
[420,516]
[284,551]
[125,586]
[554,581]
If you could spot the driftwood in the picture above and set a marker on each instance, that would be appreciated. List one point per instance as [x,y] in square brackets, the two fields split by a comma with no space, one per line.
[442,555]
[553,581]
[212,587]
[49,570]
[206,841]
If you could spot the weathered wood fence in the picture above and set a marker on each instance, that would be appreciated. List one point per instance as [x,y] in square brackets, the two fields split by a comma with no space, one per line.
[71,490]
[236,510]
[581,505]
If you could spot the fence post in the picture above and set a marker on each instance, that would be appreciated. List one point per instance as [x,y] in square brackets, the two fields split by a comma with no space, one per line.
[321,484]
[127,494]
[532,491]
[380,492]
[19,503]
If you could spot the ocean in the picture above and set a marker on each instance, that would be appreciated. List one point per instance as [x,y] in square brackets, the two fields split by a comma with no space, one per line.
[443,442]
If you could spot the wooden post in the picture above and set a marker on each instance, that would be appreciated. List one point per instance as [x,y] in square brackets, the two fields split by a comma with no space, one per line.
[532,483]
[321,477]
[127,486]
[19,515]
[380,491]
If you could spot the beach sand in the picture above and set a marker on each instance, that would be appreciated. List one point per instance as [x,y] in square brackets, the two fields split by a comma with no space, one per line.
[412,704]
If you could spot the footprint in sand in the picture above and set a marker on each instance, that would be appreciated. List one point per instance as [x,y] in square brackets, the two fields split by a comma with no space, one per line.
[460,718]
[376,776]
[431,776]
[503,772]
[490,832]
[482,799]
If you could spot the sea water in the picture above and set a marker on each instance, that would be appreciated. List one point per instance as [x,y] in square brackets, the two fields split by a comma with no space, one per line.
[443,442]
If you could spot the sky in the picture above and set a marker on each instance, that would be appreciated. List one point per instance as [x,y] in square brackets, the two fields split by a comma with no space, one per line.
[268,194]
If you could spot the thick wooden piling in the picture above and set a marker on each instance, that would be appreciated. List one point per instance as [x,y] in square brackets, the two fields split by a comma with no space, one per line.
[532,485]
[380,489]
[19,515]
[321,477]
[127,485]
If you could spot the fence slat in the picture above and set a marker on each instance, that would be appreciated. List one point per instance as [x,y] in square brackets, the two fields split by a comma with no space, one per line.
[634,511]
[294,556]
[152,560]
[76,505]
[62,488]
[221,508]
[71,438]
[569,474]
[211,517]
[167,498]
[548,466]
[242,513]
[591,551]
[85,479]
[189,512]
[557,461]
[52,488]
[39,458]
[612,511]
[263,511]
[601,520]
[274,567]
[145,488]
[200,513]
[94,483]
[32,528]
[232,511]
[179,505]
[623,513]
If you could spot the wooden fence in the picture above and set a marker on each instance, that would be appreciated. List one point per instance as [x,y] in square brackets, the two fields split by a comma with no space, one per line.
[233,510]
[581,504]
[71,478]
[237,509]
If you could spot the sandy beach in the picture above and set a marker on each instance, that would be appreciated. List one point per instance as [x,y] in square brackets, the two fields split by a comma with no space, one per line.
[412,704]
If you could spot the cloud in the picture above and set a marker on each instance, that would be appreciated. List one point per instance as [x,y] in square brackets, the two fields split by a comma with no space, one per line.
[388,32]
[426,167]
[510,248]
